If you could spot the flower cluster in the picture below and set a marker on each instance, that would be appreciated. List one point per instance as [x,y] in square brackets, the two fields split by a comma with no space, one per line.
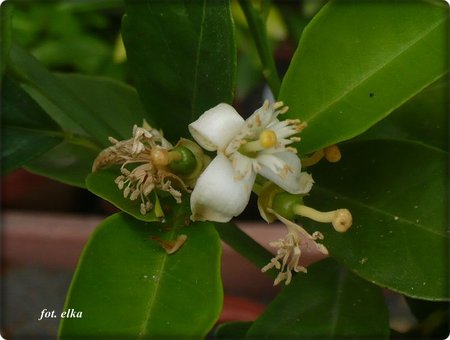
[259,145]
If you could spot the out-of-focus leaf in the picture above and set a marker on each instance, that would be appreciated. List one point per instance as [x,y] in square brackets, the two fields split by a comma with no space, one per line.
[232,235]
[102,184]
[111,100]
[358,61]
[27,131]
[232,330]
[90,5]
[329,303]
[77,51]
[5,35]
[127,286]
[30,71]
[67,163]
[183,56]
[397,192]
[424,118]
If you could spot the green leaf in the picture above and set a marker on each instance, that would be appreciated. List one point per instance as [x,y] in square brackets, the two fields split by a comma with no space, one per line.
[424,119]
[102,184]
[397,193]
[232,235]
[183,57]
[327,302]
[32,73]
[67,163]
[5,35]
[232,330]
[127,286]
[113,101]
[27,131]
[358,61]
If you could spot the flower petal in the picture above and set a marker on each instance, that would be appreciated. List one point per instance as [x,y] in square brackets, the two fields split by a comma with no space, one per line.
[282,168]
[215,128]
[217,196]
[306,183]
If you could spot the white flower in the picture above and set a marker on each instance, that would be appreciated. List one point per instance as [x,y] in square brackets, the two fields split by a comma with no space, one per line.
[245,148]
[289,251]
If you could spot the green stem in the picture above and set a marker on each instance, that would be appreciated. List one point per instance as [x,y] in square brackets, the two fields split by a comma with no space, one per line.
[265,9]
[258,30]
[295,23]
[245,245]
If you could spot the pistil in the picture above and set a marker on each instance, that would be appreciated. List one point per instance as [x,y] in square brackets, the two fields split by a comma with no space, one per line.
[267,139]
[341,219]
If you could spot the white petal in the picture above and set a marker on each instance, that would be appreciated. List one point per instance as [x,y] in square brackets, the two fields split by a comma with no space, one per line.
[217,196]
[306,183]
[241,164]
[282,168]
[262,117]
[215,128]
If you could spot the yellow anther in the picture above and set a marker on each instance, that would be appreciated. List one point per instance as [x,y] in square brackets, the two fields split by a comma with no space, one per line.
[268,139]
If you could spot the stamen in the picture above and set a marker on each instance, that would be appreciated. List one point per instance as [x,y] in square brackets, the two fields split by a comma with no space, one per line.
[277,105]
[340,218]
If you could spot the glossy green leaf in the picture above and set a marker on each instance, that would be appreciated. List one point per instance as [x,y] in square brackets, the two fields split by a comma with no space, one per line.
[424,118]
[232,330]
[31,72]
[328,302]
[397,193]
[183,57]
[102,184]
[358,61]
[128,287]
[237,239]
[113,101]
[67,163]
[27,131]
[5,35]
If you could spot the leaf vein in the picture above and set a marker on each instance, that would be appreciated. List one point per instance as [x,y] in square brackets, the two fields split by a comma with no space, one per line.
[376,70]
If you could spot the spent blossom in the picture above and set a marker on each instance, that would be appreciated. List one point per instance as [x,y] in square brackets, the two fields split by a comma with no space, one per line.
[143,159]
[288,253]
